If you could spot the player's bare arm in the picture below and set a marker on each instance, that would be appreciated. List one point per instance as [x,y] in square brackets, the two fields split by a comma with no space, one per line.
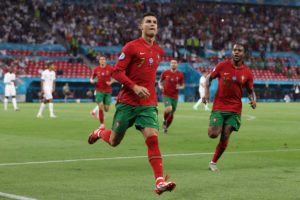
[208,80]
[160,85]
[252,98]
[42,86]
[141,91]
[110,82]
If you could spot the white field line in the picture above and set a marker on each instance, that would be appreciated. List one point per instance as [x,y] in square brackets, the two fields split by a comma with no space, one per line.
[138,157]
[249,117]
[16,197]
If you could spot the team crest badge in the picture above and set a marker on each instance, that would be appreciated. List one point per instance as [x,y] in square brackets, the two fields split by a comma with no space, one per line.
[117,124]
[234,78]
[150,61]
[122,56]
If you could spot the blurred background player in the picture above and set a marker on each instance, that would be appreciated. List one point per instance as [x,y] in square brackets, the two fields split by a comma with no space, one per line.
[225,117]
[170,82]
[201,92]
[47,88]
[67,92]
[95,112]
[137,102]
[103,83]
[10,88]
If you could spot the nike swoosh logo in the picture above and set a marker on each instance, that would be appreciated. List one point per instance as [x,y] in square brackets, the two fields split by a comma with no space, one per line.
[142,53]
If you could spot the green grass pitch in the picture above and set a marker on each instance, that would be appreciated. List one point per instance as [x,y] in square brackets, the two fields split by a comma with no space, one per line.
[262,160]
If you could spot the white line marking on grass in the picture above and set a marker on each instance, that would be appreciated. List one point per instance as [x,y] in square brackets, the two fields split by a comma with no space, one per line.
[16,197]
[137,157]
[250,117]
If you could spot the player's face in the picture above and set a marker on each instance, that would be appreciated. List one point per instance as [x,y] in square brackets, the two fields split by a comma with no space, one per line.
[149,26]
[238,53]
[102,61]
[52,67]
[173,64]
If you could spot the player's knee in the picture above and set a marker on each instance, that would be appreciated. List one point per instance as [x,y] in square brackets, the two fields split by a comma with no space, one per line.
[169,109]
[114,142]
[106,108]
[213,132]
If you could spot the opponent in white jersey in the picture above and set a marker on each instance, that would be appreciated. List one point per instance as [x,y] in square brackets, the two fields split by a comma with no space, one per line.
[10,89]
[47,88]
[201,92]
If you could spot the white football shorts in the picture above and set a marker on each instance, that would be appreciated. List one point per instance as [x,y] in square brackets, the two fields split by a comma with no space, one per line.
[10,90]
[48,93]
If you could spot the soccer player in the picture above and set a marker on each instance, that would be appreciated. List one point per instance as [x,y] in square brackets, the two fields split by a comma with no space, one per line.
[201,91]
[170,82]
[225,117]
[10,88]
[47,88]
[137,103]
[103,74]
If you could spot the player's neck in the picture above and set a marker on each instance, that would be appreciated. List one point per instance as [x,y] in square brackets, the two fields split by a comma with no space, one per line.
[149,40]
[173,70]
[237,63]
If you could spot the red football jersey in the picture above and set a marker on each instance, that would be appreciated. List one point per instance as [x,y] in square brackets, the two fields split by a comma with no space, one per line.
[138,64]
[171,80]
[103,75]
[231,82]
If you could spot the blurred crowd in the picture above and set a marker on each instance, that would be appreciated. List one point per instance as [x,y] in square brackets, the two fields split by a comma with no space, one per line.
[191,24]
[20,24]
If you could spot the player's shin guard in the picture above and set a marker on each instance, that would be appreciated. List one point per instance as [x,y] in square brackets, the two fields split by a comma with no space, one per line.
[101,116]
[219,150]
[154,156]
[51,109]
[105,135]
[5,101]
[41,108]
[14,102]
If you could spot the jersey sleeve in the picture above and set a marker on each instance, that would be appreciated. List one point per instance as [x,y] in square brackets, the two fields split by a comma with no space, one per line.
[124,60]
[216,71]
[5,80]
[43,75]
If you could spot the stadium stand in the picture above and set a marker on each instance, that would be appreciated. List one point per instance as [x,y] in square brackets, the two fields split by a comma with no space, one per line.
[197,33]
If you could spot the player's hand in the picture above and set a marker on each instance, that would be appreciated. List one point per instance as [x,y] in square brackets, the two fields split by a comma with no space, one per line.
[253,104]
[141,91]
[108,82]
[92,81]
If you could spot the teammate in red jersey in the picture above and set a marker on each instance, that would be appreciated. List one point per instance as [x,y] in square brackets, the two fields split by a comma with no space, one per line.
[233,75]
[103,74]
[137,103]
[170,82]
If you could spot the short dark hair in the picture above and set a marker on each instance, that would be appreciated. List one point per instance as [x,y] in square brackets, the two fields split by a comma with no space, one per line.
[149,14]
[49,64]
